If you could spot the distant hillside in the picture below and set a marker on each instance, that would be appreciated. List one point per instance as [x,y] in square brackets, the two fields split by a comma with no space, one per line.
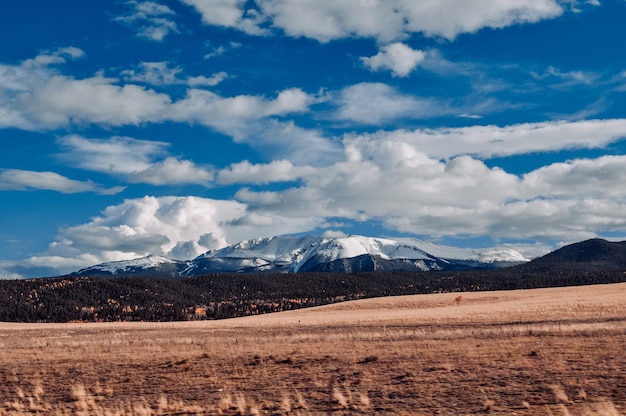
[594,254]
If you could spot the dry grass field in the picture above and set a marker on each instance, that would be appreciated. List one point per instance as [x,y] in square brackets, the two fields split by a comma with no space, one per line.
[535,352]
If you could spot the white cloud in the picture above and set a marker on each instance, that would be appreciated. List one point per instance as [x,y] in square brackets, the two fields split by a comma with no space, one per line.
[396,57]
[602,176]
[151,225]
[211,109]
[160,73]
[326,20]
[397,183]
[22,180]
[334,234]
[377,103]
[57,56]
[329,20]
[449,19]
[276,171]
[284,140]
[220,50]
[154,73]
[229,13]
[566,79]
[118,155]
[173,171]
[491,141]
[33,95]
[60,100]
[211,81]
[291,100]
[144,161]
[252,120]
[153,19]
[41,98]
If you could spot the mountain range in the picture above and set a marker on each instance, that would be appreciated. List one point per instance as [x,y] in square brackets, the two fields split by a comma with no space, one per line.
[245,284]
[290,254]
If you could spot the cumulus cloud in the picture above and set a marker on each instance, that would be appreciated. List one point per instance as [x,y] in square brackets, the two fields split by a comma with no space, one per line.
[177,227]
[396,183]
[600,176]
[152,225]
[152,19]
[144,161]
[399,58]
[23,180]
[326,20]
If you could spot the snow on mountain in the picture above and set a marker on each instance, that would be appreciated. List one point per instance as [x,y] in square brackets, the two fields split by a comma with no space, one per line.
[483,255]
[150,262]
[307,253]
[297,251]
[281,250]
[331,249]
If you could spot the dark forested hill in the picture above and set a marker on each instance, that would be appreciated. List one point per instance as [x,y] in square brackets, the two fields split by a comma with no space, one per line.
[594,254]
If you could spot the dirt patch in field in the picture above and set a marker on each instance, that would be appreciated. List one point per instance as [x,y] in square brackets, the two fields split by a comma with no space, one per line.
[533,352]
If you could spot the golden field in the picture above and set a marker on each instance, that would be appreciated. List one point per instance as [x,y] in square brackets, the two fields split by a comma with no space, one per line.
[554,351]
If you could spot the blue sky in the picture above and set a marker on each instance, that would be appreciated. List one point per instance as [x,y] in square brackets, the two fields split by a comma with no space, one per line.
[174,127]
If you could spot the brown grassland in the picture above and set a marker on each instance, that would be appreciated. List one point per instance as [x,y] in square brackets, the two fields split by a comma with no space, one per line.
[557,351]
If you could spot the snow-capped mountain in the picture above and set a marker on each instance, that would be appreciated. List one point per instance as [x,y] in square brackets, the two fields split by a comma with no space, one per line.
[311,253]
[297,254]
[149,266]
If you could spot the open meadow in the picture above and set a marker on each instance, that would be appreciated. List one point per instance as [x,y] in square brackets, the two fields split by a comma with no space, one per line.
[558,351]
